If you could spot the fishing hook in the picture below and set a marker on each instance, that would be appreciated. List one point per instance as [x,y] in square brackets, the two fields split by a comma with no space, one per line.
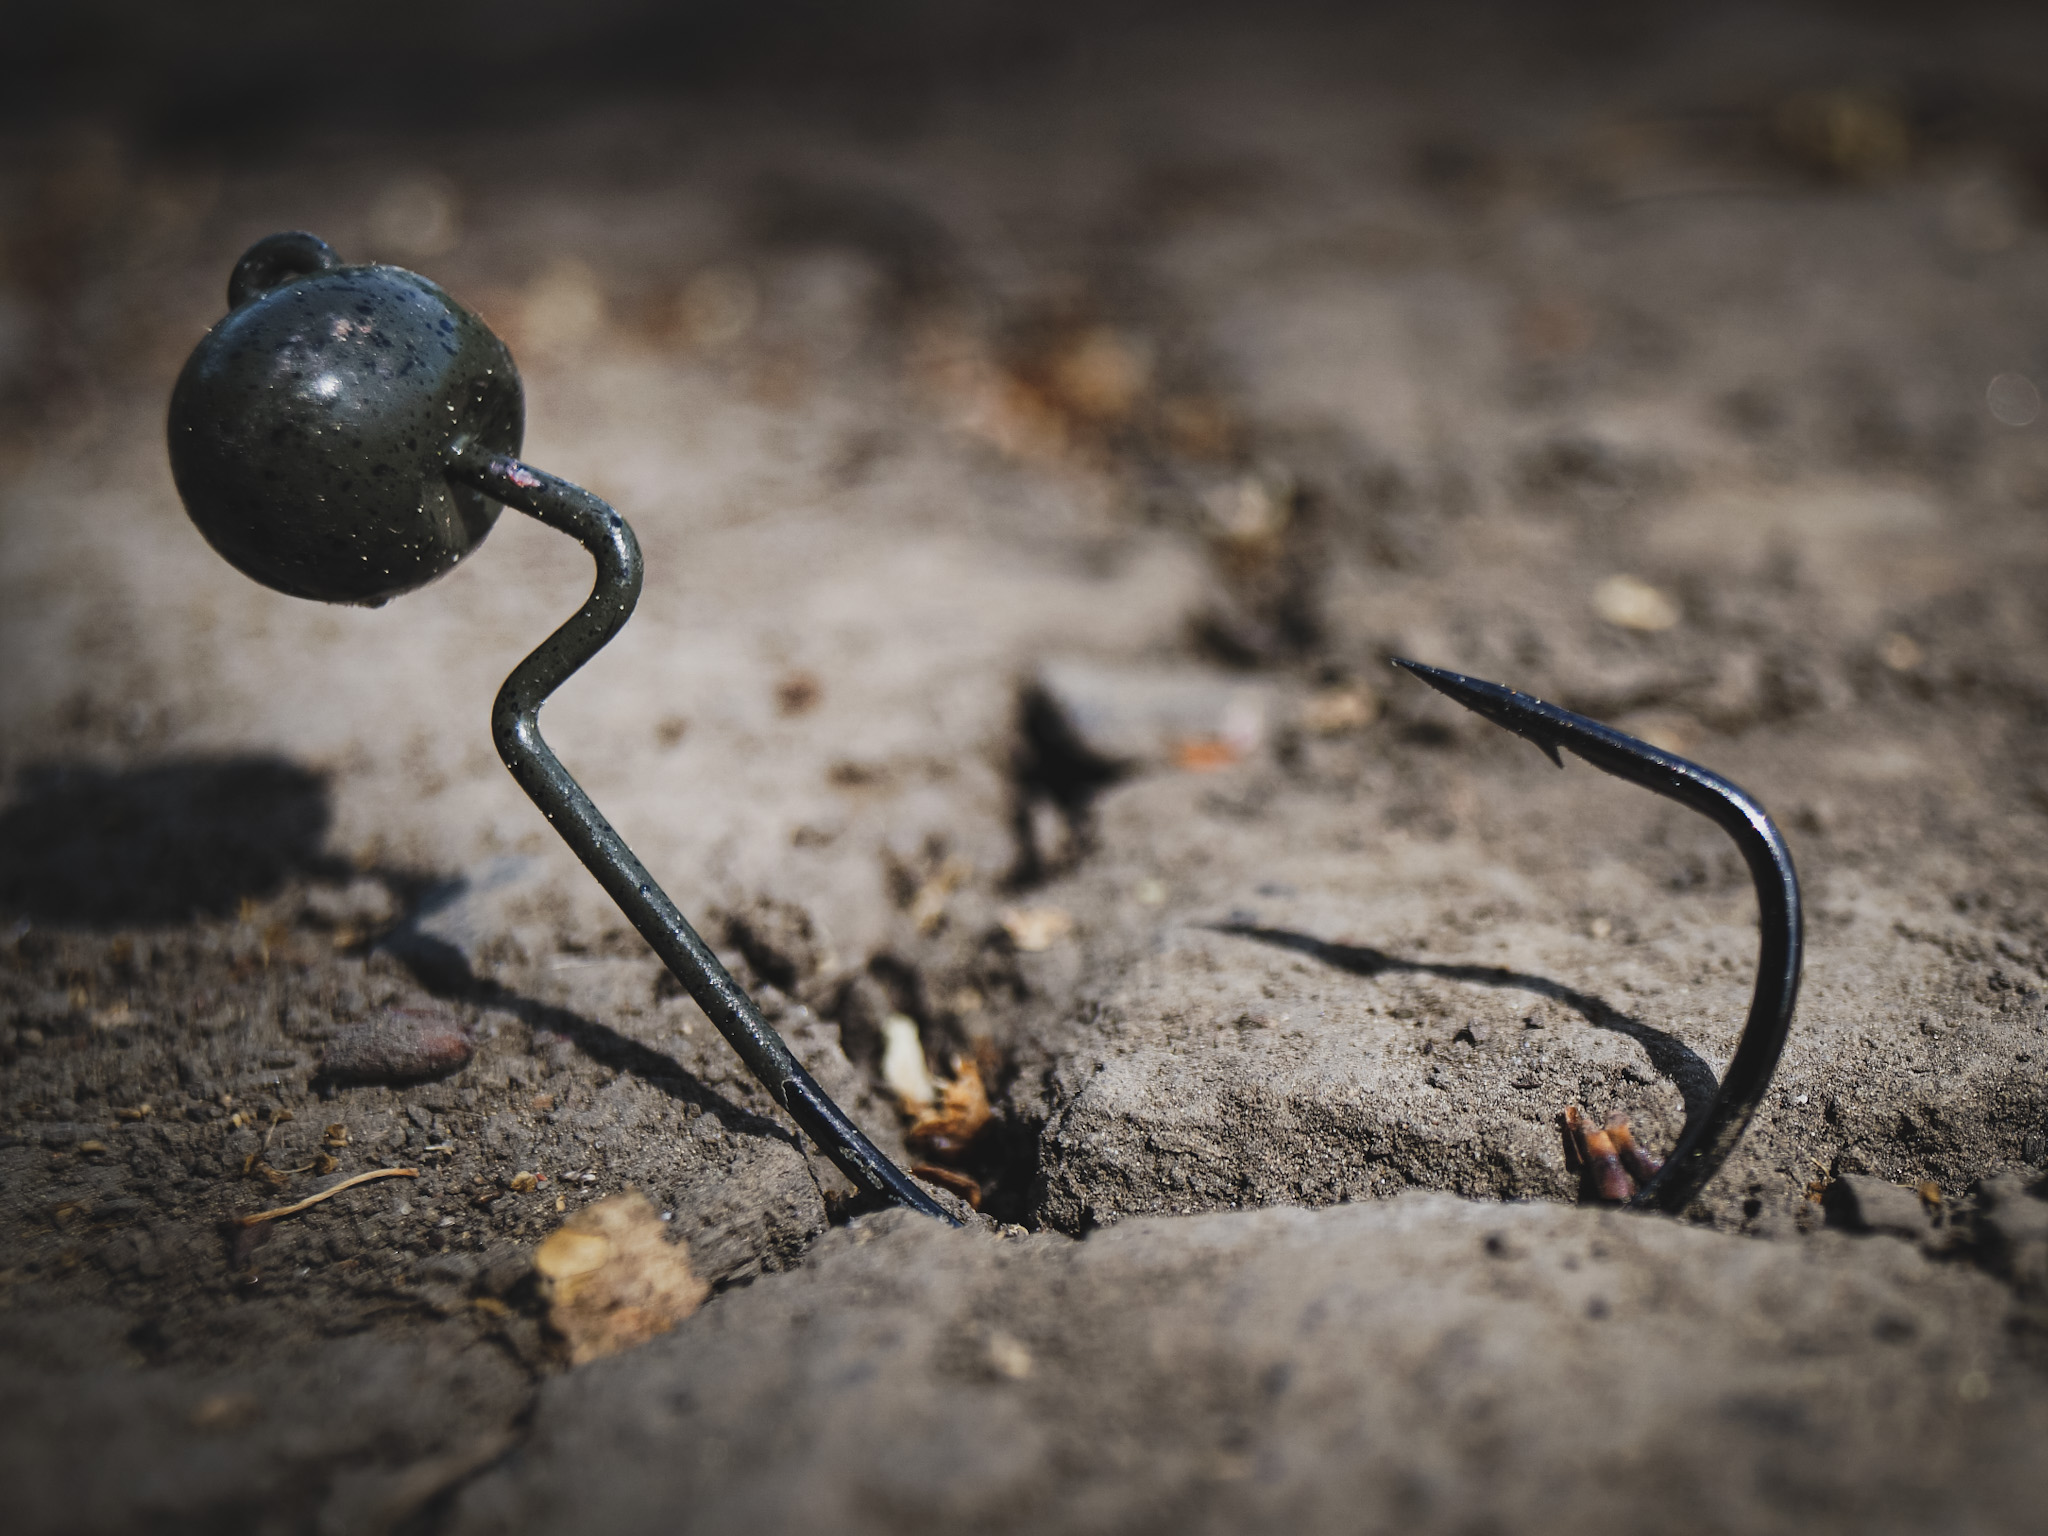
[1706,1143]
[348,433]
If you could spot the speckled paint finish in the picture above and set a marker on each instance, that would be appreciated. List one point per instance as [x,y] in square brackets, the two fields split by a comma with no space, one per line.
[311,429]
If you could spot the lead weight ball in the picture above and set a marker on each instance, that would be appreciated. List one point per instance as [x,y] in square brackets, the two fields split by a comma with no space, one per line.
[312,429]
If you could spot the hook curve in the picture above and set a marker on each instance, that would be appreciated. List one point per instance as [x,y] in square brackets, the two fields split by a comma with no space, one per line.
[1705,1145]
[515,725]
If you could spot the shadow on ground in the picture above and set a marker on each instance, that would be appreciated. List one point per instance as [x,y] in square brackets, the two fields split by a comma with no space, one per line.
[89,847]
[443,970]
[1671,1056]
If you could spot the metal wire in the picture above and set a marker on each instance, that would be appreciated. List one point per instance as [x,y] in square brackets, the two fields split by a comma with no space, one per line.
[515,724]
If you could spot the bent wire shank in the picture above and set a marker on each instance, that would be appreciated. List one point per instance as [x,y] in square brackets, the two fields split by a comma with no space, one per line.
[1705,1145]
[515,724]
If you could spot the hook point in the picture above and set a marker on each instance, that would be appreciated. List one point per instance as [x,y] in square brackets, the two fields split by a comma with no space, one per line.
[1506,708]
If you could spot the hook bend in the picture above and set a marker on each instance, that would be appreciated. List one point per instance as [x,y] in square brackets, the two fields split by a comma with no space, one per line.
[515,723]
[1705,1145]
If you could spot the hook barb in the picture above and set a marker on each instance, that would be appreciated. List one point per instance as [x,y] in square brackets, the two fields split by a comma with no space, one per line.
[1705,1144]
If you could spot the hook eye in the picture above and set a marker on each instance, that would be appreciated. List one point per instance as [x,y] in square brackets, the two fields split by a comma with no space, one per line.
[277,259]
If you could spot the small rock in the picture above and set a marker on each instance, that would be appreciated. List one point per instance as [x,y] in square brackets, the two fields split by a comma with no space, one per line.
[1863,1204]
[1629,602]
[1152,717]
[398,1045]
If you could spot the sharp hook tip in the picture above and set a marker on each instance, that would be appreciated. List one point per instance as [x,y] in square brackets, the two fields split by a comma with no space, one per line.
[1502,705]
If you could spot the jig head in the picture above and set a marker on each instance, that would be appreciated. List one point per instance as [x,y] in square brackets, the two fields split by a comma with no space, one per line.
[1705,1144]
[348,433]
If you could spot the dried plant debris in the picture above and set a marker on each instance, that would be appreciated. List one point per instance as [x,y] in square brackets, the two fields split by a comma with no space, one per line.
[399,1045]
[1611,1166]
[326,1194]
[949,1127]
[946,1115]
[966,1187]
[612,1279]
[903,1066]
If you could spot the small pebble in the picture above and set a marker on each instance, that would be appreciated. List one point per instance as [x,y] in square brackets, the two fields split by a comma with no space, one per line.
[398,1045]
[1629,602]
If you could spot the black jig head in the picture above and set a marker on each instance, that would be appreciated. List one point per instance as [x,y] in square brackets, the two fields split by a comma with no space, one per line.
[348,433]
[1705,1145]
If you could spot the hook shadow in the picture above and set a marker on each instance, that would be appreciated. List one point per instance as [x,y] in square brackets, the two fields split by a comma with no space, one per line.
[444,971]
[1671,1056]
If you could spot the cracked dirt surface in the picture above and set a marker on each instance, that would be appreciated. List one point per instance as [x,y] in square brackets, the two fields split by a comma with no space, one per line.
[1033,479]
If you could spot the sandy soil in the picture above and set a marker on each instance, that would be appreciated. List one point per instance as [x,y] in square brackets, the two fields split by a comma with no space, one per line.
[1034,474]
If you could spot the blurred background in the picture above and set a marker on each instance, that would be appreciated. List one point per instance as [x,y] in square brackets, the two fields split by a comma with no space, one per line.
[1042,421]
[1683,362]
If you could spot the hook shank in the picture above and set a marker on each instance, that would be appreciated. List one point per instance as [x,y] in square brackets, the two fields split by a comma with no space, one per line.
[1705,1145]
[515,725]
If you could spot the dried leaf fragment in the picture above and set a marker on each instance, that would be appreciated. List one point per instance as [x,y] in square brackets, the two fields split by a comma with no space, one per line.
[612,1279]
[1202,754]
[968,1189]
[961,1112]
[1036,929]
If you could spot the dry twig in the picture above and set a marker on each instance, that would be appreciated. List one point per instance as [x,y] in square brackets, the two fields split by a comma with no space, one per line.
[331,1190]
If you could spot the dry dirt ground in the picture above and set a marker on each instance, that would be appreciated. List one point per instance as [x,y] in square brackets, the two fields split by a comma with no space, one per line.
[1035,469]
